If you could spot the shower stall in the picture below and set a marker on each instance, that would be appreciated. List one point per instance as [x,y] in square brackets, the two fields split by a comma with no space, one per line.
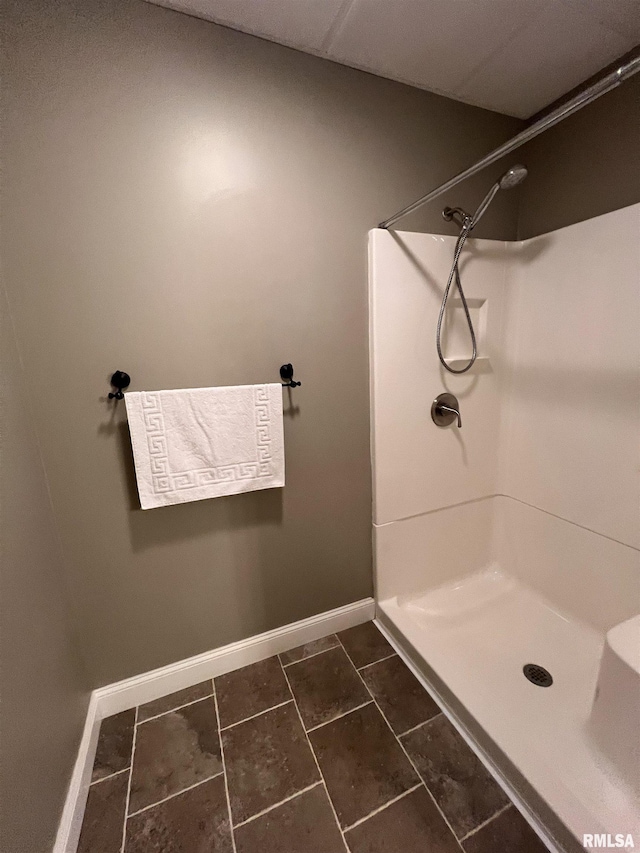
[506,550]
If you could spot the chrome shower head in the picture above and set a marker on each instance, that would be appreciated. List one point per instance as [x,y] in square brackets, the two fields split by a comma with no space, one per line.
[511,178]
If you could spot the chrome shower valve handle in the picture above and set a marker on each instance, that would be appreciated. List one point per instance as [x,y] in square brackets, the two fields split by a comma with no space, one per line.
[445,409]
[453,412]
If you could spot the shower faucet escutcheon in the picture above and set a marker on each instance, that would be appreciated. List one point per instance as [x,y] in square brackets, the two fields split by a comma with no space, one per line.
[445,409]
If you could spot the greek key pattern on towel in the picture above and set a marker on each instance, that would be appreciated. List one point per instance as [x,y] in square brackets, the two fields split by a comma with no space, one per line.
[166,481]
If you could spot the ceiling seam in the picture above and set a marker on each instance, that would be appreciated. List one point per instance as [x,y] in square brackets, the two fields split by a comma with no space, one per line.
[341,14]
[500,49]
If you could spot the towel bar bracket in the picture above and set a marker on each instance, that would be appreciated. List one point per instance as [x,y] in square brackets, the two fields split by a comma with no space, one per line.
[286,374]
[119,380]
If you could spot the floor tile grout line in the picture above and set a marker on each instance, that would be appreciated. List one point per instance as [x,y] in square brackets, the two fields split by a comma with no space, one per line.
[110,776]
[253,716]
[419,726]
[428,790]
[308,657]
[339,716]
[224,768]
[333,809]
[315,758]
[374,662]
[277,805]
[384,806]
[128,797]
[477,752]
[172,710]
[394,799]
[487,821]
[175,794]
[321,781]
[409,759]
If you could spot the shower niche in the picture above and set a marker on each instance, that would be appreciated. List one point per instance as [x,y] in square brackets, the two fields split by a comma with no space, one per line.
[456,344]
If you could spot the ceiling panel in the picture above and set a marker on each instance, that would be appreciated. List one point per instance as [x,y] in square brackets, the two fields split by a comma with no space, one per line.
[300,23]
[622,16]
[513,56]
[556,52]
[435,44]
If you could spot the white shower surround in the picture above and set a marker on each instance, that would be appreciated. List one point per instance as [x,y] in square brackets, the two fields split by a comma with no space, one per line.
[515,539]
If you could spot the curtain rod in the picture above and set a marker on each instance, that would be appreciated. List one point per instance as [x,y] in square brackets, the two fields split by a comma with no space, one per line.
[586,96]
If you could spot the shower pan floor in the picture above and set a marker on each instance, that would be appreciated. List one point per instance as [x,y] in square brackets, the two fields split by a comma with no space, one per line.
[333,747]
[476,635]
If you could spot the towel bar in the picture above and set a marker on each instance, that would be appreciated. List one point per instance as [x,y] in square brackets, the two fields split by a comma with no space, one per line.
[121,380]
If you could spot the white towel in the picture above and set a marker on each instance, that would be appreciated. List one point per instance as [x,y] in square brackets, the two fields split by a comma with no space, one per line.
[206,442]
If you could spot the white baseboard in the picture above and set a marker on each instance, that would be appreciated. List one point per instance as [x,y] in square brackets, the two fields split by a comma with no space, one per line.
[131,692]
[71,821]
[159,682]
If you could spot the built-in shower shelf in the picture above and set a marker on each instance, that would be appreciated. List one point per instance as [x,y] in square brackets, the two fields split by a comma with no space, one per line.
[482,364]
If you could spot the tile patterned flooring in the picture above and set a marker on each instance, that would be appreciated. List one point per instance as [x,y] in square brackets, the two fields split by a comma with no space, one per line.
[333,747]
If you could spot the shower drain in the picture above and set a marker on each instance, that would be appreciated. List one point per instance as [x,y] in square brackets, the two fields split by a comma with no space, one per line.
[537,675]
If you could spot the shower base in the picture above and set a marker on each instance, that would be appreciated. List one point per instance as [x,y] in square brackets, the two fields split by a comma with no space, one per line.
[474,636]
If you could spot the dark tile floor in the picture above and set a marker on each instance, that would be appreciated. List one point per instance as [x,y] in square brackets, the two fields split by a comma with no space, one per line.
[333,747]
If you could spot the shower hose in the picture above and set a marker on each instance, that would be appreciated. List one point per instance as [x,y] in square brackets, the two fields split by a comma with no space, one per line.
[455,273]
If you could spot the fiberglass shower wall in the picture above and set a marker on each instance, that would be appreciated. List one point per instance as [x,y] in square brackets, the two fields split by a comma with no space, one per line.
[514,539]
[549,415]
[569,448]
[432,519]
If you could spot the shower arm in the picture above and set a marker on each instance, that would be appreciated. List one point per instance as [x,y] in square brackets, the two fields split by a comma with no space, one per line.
[586,96]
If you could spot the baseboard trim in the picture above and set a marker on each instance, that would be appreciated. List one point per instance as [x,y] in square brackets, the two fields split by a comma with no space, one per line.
[71,820]
[130,692]
[167,679]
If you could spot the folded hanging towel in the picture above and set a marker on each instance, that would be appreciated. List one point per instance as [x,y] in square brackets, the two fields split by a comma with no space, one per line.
[206,442]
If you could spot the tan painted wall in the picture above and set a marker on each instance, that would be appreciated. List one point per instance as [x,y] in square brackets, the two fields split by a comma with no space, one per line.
[586,166]
[191,205]
[43,688]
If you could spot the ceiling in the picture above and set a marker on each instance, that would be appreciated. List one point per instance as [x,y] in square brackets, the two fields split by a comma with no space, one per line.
[513,56]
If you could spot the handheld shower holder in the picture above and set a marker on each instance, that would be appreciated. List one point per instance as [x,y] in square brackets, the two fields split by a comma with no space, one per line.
[458,215]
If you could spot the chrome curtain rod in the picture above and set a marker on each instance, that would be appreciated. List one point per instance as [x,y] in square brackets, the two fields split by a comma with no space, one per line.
[600,87]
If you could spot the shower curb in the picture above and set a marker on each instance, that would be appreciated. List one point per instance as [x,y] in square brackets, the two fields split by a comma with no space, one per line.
[122,695]
[517,796]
